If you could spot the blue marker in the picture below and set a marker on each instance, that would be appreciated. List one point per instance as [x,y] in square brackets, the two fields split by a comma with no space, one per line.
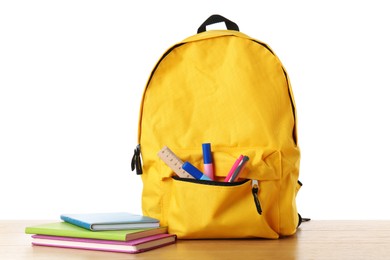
[188,167]
[207,161]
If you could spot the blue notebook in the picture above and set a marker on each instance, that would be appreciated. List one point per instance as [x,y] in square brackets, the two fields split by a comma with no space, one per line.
[110,221]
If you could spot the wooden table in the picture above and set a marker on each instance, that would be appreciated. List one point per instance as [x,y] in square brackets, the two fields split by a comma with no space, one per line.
[314,240]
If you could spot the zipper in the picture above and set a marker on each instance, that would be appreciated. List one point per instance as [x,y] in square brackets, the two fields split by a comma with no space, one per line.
[212,183]
[136,160]
[255,187]
[294,134]
[255,190]
[147,85]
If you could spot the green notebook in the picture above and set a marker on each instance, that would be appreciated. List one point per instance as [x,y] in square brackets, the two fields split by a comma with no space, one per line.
[68,230]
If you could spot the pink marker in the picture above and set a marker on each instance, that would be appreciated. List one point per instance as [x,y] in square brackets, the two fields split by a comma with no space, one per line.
[207,161]
[234,167]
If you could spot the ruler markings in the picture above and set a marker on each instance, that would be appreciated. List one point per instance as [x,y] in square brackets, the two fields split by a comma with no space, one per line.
[173,162]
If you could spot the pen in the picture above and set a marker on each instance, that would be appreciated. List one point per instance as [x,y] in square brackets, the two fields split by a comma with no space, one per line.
[207,161]
[239,168]
[194,172]
[235,165]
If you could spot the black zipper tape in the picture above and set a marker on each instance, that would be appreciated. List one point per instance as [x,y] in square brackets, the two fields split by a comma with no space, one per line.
[212,183]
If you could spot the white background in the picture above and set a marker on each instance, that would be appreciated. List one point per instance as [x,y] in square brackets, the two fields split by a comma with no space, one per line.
[72,75]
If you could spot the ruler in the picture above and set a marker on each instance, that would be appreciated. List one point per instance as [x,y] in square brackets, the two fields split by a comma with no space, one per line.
[173,162]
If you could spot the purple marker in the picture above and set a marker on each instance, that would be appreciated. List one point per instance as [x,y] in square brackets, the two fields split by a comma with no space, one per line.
[207,161]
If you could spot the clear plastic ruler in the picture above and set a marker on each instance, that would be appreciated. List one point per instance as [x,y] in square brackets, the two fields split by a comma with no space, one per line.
[173,162]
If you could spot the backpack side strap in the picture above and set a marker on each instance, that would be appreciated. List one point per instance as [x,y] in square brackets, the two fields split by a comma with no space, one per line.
[301,220]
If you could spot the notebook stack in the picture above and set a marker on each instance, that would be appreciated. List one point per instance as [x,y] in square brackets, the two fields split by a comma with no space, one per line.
[113,232]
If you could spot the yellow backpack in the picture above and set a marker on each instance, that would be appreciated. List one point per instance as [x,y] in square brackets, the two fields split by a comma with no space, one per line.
[227,89]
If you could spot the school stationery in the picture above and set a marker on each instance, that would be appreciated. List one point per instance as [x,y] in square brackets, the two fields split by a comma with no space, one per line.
[234,167]
[239,168]
[69,230]
[131,247]
[173,162]
[188,167]
[110,221]
[207,161]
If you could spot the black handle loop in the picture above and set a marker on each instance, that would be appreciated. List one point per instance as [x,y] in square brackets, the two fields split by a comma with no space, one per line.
[216,18]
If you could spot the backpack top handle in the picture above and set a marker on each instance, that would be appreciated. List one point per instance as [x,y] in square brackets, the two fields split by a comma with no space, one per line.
[216,18]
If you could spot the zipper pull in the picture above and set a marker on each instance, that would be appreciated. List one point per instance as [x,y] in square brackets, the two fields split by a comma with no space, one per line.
[255,190]
[136,160]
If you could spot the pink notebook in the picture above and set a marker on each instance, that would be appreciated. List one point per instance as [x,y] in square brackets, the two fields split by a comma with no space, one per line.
[132,246]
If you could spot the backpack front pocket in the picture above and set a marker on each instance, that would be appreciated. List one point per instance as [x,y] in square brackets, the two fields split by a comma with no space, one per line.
[204,209]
